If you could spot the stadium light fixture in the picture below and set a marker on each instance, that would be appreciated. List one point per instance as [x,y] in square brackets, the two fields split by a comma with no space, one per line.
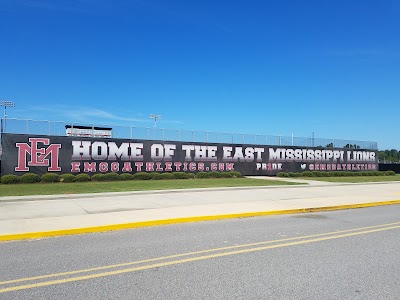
[5,104]
[155,118]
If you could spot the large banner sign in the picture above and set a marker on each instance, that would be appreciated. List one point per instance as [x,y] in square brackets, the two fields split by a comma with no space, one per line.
[44,154]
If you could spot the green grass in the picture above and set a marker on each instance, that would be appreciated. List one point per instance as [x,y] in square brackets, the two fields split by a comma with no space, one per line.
[356,179]
[123,186]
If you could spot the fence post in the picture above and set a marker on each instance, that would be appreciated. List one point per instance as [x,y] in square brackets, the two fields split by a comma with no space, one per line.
[313,139]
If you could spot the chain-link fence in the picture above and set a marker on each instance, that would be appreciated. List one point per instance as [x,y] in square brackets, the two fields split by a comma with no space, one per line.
[26,126]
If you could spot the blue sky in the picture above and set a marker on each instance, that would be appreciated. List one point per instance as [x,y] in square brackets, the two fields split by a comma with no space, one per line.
[256,67]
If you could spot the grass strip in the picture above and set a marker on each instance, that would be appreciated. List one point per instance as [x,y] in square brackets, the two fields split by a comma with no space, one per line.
[133,185]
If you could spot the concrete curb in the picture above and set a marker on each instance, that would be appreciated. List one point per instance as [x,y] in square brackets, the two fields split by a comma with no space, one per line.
[111,227]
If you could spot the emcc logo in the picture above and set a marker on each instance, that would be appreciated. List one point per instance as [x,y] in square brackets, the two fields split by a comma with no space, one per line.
[39,156]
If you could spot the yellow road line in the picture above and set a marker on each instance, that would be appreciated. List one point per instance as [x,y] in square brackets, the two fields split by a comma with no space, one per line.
[192,259]
[190,253]
[42,234]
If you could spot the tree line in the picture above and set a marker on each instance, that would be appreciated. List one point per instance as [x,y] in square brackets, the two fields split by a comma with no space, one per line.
[392,155]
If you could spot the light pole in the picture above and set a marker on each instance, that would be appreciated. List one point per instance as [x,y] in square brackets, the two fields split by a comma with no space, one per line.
[155,118]
[6,104]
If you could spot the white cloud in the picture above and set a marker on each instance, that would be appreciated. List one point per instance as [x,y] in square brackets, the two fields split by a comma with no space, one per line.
[70,113]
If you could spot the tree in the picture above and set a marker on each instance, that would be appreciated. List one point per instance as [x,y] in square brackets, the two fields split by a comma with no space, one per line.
[352,146]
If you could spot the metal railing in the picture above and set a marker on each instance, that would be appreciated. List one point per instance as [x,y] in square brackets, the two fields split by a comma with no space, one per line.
[40,127]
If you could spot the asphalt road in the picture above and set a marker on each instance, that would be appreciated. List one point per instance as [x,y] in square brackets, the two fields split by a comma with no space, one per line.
[352,254]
